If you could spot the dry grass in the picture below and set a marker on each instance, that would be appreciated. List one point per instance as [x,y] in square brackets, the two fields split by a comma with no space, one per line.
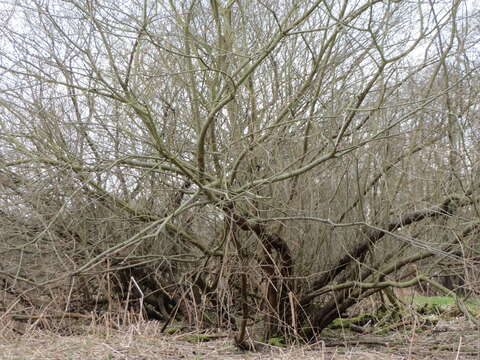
[143,341]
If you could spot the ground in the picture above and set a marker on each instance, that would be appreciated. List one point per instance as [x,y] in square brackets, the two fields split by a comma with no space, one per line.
[449,339]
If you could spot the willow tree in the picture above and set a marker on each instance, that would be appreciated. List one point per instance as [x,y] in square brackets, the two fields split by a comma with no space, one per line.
[235,156]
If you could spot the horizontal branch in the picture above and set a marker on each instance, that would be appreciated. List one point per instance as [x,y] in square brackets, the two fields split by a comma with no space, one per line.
[367,285]
[374,234]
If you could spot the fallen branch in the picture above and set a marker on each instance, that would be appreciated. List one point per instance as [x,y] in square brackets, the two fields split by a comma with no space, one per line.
[52,316]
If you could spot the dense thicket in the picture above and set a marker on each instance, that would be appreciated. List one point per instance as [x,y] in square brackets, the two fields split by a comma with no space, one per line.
[236,163]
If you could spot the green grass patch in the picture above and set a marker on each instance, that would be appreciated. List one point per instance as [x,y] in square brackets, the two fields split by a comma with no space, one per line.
[172,330]
[473,302]
[442,304]
[277,341]
[433,300]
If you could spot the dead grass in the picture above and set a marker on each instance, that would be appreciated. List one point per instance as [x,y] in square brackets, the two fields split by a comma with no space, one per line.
[143,341]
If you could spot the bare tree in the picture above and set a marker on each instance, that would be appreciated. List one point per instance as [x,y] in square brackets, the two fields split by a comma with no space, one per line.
[236,156]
